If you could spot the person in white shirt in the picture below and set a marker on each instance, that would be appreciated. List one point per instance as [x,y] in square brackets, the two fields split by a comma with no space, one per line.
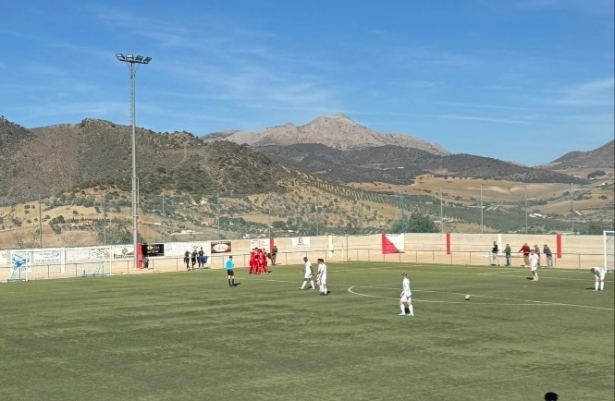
[534,258]
[405,296]
[600,275]
[322,276]
[307,274]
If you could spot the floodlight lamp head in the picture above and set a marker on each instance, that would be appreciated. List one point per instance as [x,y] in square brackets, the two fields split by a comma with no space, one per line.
[138,59]
[120,57]
[147,60]
[129,57]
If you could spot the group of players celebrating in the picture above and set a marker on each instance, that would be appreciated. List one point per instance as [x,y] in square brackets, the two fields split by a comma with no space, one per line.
[258,261]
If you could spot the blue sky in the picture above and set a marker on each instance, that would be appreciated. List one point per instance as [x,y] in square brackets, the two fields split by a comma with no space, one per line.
[519,80]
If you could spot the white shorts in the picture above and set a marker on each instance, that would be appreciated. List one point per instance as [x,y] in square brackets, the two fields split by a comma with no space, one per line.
[323,281]
[534,268]
[307,277]
[600,276]
[406,299]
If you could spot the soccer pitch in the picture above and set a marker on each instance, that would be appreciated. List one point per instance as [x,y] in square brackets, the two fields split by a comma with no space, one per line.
[189,336]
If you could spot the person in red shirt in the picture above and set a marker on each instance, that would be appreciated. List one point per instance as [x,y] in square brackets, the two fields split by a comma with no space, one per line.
[252,261]
[526,254]
[265,262]
[262,261]
[257,261]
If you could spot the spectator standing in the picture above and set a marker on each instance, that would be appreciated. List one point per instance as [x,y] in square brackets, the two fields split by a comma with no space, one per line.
[187,260]
[494,254]
[200,256]
[549,255]
[508,253]
[146,262]
[525,249]
[274,255]
[537,252]
[193,258]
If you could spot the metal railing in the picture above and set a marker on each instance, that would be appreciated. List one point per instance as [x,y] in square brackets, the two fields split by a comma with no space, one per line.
[176,264]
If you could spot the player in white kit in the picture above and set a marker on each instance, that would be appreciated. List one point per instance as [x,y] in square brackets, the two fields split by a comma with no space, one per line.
[322,276]
[534,258]
[405,297]
[600,275]
[307,274]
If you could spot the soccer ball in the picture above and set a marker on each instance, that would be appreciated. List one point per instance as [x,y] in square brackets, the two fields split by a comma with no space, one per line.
[467,297]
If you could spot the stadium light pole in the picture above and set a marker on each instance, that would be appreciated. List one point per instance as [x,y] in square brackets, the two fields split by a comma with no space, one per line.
[132,60]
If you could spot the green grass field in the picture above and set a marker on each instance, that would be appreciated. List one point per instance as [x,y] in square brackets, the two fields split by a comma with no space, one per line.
[188,336]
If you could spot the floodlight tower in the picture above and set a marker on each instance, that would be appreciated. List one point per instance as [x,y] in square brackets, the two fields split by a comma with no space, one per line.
[132,60]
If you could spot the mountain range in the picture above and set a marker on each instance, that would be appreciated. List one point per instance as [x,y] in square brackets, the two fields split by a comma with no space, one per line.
[336,132]
[598,158]
[338,149]
[49,160]
[53,159]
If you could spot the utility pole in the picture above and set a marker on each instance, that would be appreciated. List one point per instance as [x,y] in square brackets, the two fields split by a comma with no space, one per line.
[526,219]
[317,212]
[269,206]
[40,220]
[218,217]
[441,212]
[104,205]
[481,210]
[401,208]
[571,210]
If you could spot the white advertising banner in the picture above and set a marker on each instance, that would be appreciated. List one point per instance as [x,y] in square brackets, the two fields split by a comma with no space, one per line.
[180,248]
[123,251]
[4,258]
[74,255]
[46,256]
[260,243]
[301,243]
[20,261]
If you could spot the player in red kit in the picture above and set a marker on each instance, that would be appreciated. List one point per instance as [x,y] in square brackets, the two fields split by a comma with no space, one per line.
[253,261]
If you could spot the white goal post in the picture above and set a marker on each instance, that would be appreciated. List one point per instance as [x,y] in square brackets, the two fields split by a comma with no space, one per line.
[609,251]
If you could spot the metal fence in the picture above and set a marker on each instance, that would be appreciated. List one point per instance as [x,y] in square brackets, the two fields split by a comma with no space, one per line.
[176,264]
[102,215]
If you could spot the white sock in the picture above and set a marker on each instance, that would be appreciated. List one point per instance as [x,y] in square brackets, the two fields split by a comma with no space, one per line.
[403,309]
[602,286]
[312,282]
[304,283]
[411,308]
[596,286]
[325,291]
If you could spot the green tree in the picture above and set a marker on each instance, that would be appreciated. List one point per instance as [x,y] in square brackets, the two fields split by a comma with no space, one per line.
[416,223]
[594,228]
[117,232]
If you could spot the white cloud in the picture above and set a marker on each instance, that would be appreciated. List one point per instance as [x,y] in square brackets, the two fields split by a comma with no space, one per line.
[594,93]
[484,119]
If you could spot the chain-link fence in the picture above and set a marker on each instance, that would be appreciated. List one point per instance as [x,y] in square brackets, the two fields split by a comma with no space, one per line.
[103,215]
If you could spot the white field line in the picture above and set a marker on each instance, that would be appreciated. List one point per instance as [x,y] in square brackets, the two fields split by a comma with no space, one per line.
[490,297]
[440,302]
[540,276]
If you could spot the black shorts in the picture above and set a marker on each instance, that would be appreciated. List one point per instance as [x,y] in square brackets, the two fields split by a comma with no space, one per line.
[230,272]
